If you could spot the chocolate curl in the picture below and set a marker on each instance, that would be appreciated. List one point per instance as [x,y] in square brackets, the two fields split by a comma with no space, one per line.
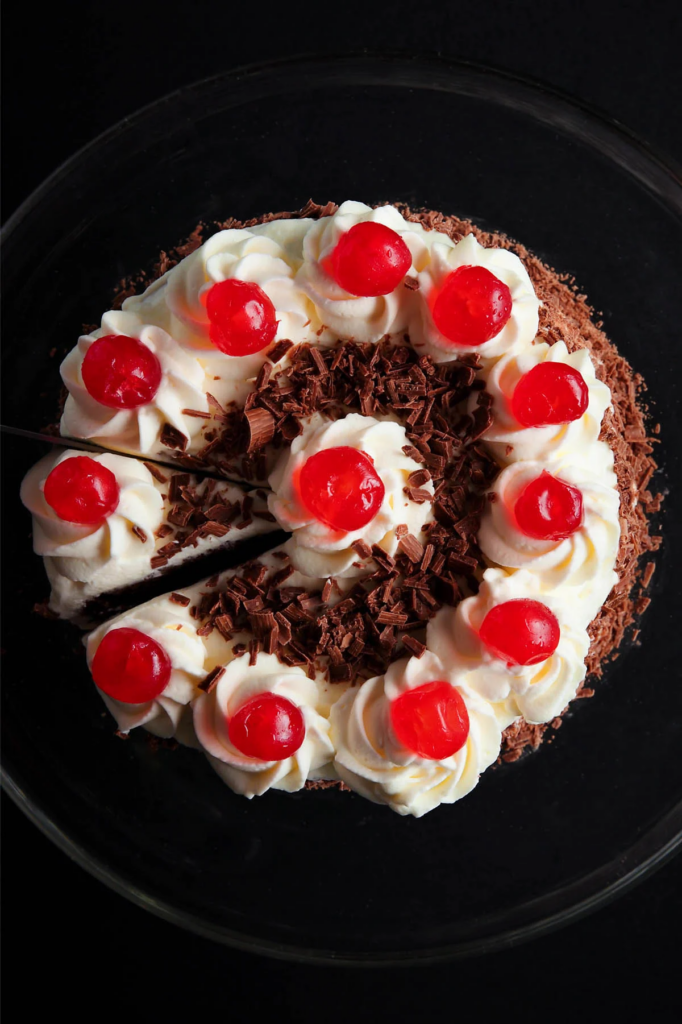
[261,428]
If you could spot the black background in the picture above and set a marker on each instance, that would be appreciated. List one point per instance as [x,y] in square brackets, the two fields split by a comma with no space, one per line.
[70,71]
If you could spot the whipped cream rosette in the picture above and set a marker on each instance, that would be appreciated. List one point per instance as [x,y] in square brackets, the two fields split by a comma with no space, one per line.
[584,560]
[182,385]
[167,713]
[364,318]
[371,758]
[518,325]
[318,548]
[539,691]
[509,440]
[241,684]
[267,255]
[172,320]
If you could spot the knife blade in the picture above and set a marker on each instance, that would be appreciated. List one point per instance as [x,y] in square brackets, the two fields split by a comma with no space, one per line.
[89,446]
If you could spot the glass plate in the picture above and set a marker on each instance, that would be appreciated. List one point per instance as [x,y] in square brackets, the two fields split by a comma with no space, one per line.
[326,875]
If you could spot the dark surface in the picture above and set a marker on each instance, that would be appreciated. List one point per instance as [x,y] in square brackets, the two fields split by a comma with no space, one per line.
[92,74]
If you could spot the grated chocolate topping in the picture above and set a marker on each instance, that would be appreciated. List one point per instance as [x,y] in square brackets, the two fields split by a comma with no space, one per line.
[198,511]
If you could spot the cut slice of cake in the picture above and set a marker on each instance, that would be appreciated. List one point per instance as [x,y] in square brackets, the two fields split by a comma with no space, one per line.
[106,523]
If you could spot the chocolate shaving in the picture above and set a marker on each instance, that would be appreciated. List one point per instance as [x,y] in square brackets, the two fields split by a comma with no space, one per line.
[156,472]
[180,599]
[411,547]
[209,683]
[171,437]
[279,349]
[197,413]
[413,645]
[362,548]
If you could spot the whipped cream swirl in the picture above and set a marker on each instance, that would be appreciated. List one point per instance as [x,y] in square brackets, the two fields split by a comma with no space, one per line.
[584,560]
[318,550]
[362,318]
[447,257]
[509,441]
[371,760]
[168,714]
[267,255]
[538,692]
[183,386]
[85,560]
[240,683]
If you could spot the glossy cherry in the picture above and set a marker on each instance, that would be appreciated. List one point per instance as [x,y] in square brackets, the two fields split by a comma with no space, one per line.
[82,491]
[341,488]
[431,720]
[472,306]
[243,318]
[130,666]
[549,508]
[370,259]
[549,393]
[521,632]
[268,727]
[121,372]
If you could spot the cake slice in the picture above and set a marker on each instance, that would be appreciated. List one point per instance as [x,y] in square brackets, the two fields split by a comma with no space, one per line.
[106,523]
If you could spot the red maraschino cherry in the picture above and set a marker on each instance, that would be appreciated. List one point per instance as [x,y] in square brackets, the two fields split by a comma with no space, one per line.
[370,259]
[341,488]
[521,632]
[472,306]
[243,318]
[267,727]
[431,720]
[549,393]
[121,372]
[82,491]
[549,508]
[130,666]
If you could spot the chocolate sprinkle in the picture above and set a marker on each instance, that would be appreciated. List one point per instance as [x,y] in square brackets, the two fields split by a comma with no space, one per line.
[212,679]
[171,437]
[156,472]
